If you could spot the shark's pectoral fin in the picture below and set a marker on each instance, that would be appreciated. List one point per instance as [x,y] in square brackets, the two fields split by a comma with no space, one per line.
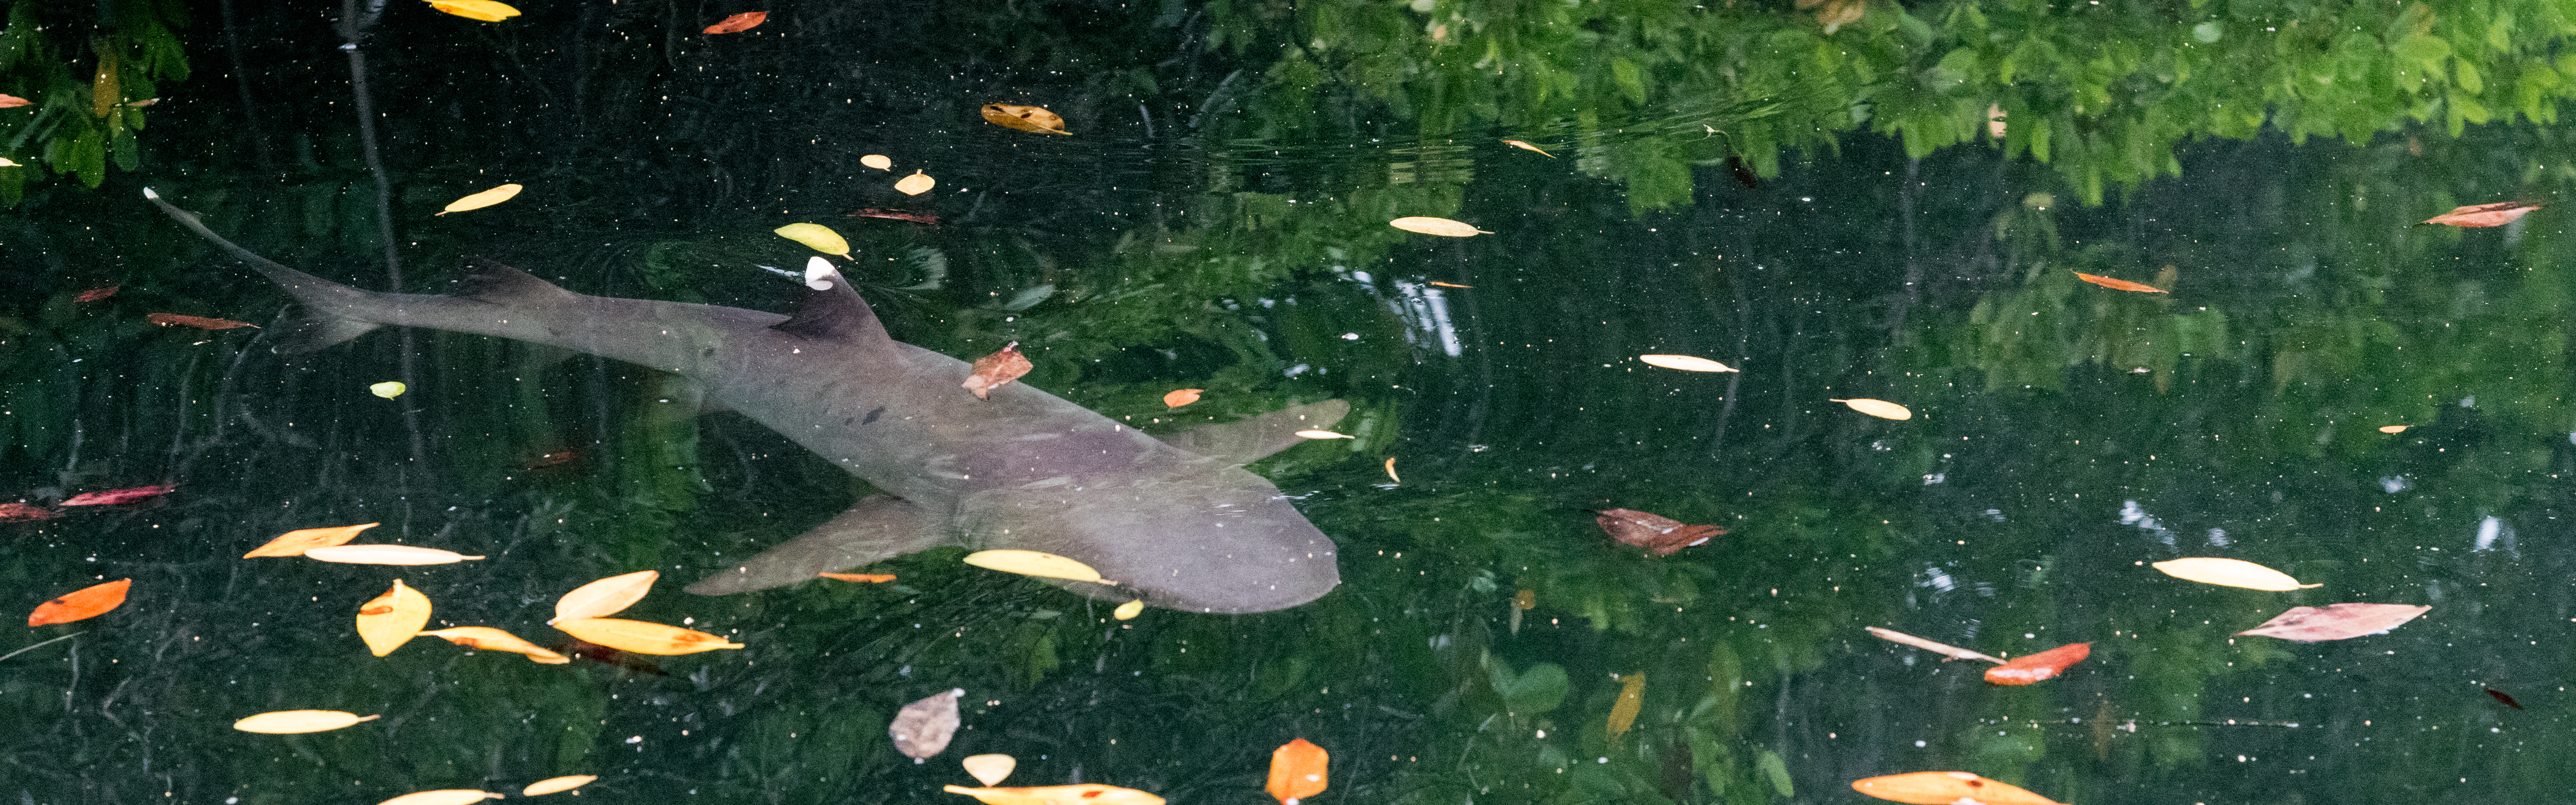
[1244,441]
[880,527]
[303,329]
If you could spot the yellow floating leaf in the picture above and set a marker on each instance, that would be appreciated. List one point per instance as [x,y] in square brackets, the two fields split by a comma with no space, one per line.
[1180,397]
[1125,612]
[296,542]
[1436,226]
[2230,573]
[641,637]
[1528,147]
[6,162]
[916,184]
[556,785]
[877,161]
[486,198]
[388,389]
[605,597]
[1877,408]
[1687,363]
[1390,470]
[290,722]
[2394,428]
[1083,794]
[445,796]
[1025,118]
[1947,788]
[385,555]
[1632,697]
[990,769]
[1324,434]
[482,10]
[1034,563]
[490,639]
[818,236]
[392,619]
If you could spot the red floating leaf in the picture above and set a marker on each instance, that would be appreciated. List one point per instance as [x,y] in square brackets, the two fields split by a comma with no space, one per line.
[897,215]
[2484,215]
[95,294]
[201,322]
[88,602]
[2036,667]
[739,22]
[2507,700]
[2116,284]
[115,496]
[1662,535]
[23,512]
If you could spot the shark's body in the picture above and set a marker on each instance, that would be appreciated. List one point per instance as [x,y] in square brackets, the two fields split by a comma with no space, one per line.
[1186,529]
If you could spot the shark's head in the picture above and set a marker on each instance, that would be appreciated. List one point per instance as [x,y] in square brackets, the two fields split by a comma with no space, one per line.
[1216,539]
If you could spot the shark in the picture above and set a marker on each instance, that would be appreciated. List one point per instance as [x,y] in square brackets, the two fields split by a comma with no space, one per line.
[1175,521]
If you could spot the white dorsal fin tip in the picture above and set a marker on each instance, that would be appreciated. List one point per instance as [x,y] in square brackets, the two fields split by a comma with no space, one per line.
[147,193]
[819,273]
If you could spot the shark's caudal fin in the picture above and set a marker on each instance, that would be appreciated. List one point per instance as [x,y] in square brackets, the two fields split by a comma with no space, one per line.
[316,325]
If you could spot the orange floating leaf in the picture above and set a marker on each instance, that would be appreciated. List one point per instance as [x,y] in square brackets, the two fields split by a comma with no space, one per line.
[390,620]
[1659,534]
[291,722]
[95,294]
[1297,771]
[991,371]
[24,512]
[1450,284]
[480,10]
[2336,621]
[1082,794]
[1025,118]
[641,637]
[605,597]
[116,496]
[1390,471]
[200,322]
[10,101]
[2484,215]
[2044,665]
[739,23]
[1528,147]
[863,578]
[554,785]
[1180,397]
[87,602]
[489,639]
[2117,284]
[296,542]
[1947,788]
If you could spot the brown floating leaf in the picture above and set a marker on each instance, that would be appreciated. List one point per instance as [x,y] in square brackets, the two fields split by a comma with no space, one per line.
[863,578]
[1528,147]
[739,22]
[2501,697]
[290,722]
[200,322]
[2484,215]
[898,215]
[1025,118]
[2036,667]
[923,728]
[23,512]
[87,602]
[115,496]
[2116,284]
[1656,533]
[991,371]
[1180,397]
[95,294]
[1947,788]
[489,639]
[296,542]
[1947,651]
[392,619]
[605,597]
[1838,13]
[2336,621]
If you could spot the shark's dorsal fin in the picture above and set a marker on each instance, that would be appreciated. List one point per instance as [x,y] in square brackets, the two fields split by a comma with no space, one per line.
[1251,439]
[835,313]
[490,281]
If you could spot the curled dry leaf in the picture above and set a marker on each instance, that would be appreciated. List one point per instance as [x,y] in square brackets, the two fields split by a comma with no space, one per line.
[557,785]
[1948,652]
[296,542]
[1390,471]
[1632,697]
[739,23]
[923,728]
[290,722]
[388,389]
[385,555]
[2394,428]
[1659,534]
[2484,215]
[1125,612]
[2230,573]
[199,322]
[816,236]
[1180,397]
[115,496]
[1025,118]
[1947,788]
[2336,621]
[2117,284]
[916,184]
[483,199]
[641,637]
[489,639]
[87,602]
[25,512]
[991,371]
[1081,794]
[1034,563]
[1687,363]
[480,10]
[2044,665]
[1297,771]
[863,578]
[877,161]
[1528,147]
[1323,434]
[605,597]
[990,769]
[392,619]
[1878,408]
[95,294]
[1436,226]
[445,796]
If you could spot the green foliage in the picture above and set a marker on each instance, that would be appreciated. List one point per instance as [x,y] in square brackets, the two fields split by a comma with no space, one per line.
[87,73]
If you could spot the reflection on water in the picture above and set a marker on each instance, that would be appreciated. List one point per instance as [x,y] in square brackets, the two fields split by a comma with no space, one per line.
[1217,221]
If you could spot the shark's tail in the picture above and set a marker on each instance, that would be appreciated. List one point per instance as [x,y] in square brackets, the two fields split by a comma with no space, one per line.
[331,312]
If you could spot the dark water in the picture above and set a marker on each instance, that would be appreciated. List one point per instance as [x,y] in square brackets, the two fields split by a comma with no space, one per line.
[1217,220]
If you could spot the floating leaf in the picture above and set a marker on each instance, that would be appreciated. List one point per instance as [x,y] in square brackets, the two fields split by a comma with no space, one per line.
[1528,147]
[81,604]
[2501,697]
[199,322]
[1659,534]
[1948,652]
[916,184]
[2117,284]
[489,639]
[1083,794]
[392,619]
[605,597]
[821,238]
[296,542]
[1180,397]
[1390,471]
[991,371]
[1297,771]
[385,555]
[24,512]
[990,769]
[290,722]
[1125,612]
[2394,428]
[388,389]
[1323,434]
[923,728]
[446,796]
[1838,13]
[483,199]
[2044,665]
[544,460]
[739,23]
[2230,573]
[1449,284]
[1025,118]
[1632,697]
[555,785]
[1687,363]
[864,578]
[116,496]
[1436,226]
[641,637]
[2484,215]
[481,10]
[2336,621]
[95,294]
[877,161]
[1947,788]
[11,101]
[898,215]
[1877,408]
[1034,563]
